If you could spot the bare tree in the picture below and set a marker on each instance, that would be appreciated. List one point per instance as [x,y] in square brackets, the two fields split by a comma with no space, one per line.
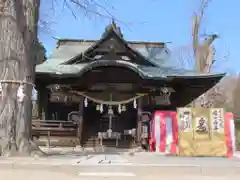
[18,38]
[183,56]
[200,56]
[236,99]
[203,54]
[156,54]
[203,51]
[18,44]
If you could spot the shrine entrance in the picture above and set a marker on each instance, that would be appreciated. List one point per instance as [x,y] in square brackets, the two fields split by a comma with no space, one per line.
[111,103]
[109,125]
[118,80]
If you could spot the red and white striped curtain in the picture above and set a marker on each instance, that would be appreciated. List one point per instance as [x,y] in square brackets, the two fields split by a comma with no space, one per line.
[230,133]
[164,133]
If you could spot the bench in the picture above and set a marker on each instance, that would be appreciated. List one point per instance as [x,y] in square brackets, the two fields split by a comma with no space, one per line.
[52,129]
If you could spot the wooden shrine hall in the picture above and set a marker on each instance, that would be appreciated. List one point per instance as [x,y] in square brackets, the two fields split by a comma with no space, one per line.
[100,89]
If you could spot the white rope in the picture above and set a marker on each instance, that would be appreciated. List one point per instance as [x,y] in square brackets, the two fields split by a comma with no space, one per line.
[16,82]
[108,102]
[20,92]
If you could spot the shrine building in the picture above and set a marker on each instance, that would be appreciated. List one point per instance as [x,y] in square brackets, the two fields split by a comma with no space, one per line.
[107,84]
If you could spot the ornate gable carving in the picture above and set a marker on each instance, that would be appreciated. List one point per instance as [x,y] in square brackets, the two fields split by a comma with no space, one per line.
[111,44]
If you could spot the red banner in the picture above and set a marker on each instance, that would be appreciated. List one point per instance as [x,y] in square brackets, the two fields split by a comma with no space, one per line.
[164,133]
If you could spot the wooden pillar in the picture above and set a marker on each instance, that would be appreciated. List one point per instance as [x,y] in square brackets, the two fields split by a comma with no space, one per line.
[139,122]
[43,101]
[39,102]
[80,122]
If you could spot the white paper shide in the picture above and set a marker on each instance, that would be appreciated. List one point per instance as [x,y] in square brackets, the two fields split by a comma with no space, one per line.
[21,93]
[34,94]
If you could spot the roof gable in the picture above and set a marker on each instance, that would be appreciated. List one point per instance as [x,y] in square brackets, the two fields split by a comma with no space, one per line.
[111,46]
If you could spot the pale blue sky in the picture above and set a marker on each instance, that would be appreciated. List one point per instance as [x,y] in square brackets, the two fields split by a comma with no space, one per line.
[155,20]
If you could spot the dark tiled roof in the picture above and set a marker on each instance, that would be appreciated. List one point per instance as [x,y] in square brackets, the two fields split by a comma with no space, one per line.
[57,63]
[146,72]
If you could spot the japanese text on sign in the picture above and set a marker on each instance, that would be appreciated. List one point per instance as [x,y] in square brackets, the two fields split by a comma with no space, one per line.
[201,124]
[185,117]
[217,119]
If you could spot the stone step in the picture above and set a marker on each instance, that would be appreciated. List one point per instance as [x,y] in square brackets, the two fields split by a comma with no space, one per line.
[58,141]
[121,144]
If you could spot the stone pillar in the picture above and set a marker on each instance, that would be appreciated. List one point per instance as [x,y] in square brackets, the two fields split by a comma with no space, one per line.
[139,123]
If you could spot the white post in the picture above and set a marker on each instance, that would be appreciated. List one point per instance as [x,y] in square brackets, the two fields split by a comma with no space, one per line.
[157,133]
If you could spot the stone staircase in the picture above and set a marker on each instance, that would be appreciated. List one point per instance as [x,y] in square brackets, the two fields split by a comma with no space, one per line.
[93,142]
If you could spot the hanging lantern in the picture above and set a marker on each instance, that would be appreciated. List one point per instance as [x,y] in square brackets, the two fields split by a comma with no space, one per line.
[123,108]
[101,108]
[98,107]
[135,103]
[85,102]
[119,108]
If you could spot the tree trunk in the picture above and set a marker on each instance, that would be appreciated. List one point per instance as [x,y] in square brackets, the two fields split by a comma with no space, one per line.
[18,36]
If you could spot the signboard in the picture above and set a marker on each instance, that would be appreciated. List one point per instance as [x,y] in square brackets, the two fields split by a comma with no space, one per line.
[201,132]
[218,134]
[185,131]
[217,115]
[185,119]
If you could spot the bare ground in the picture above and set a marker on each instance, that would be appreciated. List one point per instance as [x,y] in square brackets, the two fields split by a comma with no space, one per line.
[59,166]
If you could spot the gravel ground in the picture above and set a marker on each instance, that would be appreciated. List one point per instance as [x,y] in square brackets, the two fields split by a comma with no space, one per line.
[65,164]
[117,173]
